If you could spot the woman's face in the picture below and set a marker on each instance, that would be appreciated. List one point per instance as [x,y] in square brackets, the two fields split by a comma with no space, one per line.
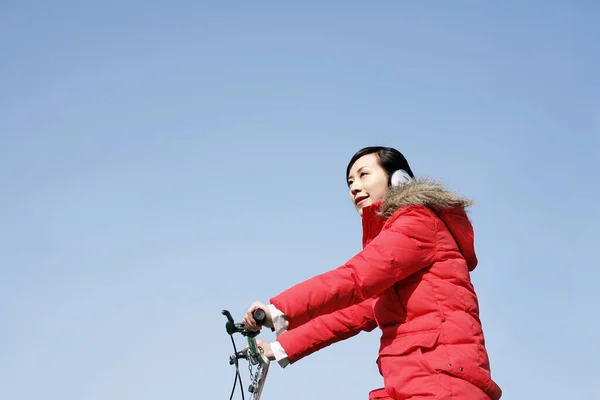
[368,182]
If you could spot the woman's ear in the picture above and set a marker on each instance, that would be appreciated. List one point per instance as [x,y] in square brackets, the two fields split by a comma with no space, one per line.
[399,178]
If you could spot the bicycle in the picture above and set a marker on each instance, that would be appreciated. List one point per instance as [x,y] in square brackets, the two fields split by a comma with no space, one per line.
[253,353]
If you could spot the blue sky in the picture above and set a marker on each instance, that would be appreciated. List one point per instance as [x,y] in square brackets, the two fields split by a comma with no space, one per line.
[162,162]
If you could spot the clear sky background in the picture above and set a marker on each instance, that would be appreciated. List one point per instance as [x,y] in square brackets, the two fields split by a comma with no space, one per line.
[161,161]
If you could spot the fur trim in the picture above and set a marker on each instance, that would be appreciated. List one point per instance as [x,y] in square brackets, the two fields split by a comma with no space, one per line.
[421,191]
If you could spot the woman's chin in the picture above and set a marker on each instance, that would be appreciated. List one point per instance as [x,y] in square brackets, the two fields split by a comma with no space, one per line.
[361,207]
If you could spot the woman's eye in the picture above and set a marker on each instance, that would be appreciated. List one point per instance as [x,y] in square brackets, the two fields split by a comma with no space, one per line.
[363,174]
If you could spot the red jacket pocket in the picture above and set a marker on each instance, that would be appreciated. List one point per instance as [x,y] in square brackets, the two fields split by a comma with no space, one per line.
[408,342]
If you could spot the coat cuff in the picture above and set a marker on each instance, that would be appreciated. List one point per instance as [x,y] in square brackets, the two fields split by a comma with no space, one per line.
[280,354]
[280,323]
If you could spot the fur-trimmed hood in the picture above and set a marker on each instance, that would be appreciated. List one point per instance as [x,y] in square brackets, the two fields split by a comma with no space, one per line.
[450,207]
[421,191]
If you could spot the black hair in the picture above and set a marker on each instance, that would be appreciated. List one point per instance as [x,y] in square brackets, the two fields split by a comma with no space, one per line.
[389,159]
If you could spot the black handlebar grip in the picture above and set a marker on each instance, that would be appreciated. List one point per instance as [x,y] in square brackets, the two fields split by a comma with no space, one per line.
[259,316]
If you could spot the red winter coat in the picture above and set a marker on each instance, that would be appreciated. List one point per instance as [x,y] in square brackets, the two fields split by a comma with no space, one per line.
[412,281]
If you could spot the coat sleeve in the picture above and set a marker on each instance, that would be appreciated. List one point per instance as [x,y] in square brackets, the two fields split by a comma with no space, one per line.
[406,244]
[327,330]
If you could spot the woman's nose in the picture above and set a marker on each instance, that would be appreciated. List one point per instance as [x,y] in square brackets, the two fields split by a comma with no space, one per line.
[355,188]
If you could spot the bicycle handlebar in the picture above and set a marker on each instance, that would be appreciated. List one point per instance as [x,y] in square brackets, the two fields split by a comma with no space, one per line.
[252,353]
[260,316]
[236,327]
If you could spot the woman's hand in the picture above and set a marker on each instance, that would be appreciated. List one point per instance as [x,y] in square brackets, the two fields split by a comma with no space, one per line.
[249,321]
[265,347]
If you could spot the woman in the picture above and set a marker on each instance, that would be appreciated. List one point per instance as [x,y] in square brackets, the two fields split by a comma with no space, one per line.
[411,280]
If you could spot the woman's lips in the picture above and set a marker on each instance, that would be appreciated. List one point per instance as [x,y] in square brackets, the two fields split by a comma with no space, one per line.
[361,199]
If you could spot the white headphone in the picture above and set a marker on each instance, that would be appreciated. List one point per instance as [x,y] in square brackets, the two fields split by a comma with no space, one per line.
[400,178]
